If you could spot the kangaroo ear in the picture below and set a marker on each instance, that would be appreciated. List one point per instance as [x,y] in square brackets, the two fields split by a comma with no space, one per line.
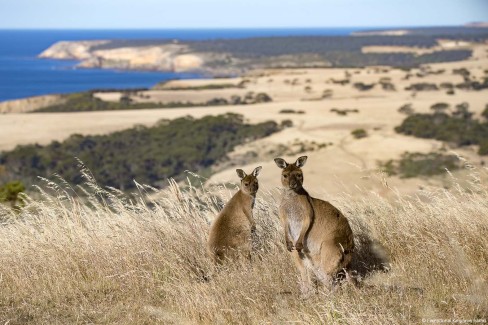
[301,161]
[256,171]
[241,173]
[280,162]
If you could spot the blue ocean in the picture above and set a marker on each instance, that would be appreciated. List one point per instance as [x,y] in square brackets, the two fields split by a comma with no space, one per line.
[22,74]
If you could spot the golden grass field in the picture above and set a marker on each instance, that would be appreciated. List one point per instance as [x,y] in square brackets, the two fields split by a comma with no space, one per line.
[108,259]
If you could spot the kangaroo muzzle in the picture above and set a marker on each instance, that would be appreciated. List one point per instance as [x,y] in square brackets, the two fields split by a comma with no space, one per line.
[295,183]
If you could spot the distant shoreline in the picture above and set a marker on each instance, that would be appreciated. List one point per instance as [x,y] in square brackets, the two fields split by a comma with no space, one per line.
[23,75]
[207,53]
[233,57]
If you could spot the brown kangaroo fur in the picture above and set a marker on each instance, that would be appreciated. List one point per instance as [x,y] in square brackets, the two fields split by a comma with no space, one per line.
[317,234]
[230,234]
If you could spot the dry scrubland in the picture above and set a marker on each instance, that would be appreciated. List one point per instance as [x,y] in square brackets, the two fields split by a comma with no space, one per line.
[110,260]
[336,157]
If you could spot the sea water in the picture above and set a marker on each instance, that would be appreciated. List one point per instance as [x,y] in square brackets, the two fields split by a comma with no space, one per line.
[22,74]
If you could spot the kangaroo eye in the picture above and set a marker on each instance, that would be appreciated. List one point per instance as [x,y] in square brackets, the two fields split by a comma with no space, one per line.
[285,176]
[247,184]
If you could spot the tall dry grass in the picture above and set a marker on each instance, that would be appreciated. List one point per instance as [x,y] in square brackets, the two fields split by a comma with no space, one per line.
[94,256]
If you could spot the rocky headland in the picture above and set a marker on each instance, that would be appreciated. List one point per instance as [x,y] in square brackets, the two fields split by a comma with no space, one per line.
[232,57]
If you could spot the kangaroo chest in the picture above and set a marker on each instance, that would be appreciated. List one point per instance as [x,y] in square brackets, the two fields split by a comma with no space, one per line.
[294,210]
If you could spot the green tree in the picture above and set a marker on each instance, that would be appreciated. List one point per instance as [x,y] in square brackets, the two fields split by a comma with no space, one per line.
[439,107]
[462,111]
[485,112]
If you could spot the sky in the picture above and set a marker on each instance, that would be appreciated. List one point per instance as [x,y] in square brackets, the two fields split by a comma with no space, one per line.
[160,14]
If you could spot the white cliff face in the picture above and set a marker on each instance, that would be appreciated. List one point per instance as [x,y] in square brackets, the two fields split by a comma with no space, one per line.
[70,50]
[168,57]
[186,62]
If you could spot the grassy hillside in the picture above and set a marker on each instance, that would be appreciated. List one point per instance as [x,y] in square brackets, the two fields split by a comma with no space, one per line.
[149,155]
[108,260]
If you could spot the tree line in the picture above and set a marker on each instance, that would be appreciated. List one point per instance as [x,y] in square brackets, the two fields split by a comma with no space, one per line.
[148,155]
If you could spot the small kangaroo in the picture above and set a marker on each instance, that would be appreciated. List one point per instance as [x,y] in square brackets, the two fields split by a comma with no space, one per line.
[319,232]
[230,234]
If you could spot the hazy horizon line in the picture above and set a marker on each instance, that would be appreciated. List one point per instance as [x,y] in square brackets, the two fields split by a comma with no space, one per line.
[236,27]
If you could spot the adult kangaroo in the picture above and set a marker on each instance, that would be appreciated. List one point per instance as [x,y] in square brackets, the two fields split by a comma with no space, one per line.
[230,234]
[317,234]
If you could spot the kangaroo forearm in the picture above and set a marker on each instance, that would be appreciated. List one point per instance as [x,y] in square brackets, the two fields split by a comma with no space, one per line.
[251,221]
[287,233]
[289,244]
[250,218]
[303,231]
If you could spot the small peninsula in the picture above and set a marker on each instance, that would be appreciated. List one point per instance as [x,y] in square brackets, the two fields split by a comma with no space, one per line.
[232,57]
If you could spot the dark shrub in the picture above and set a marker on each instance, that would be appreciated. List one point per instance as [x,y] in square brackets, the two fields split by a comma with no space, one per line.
[359,133]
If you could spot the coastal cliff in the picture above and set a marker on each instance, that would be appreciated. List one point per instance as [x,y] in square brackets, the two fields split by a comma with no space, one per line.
[167,57]
[64,50]
[228,57]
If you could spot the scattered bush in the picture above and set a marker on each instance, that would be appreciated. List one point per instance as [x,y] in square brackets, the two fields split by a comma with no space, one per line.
[327,93]
[446,85]
[244,83]
[388,87]
[362,86]
[235,100]
[125,99]
[422,86]
[286,124]
[386,84]
[462,72]
[262,98]
[420,164]
[473,85]
[217,102]
[341,82]
[344,111]
[291,111]
[406,109]
[359,133]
